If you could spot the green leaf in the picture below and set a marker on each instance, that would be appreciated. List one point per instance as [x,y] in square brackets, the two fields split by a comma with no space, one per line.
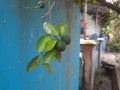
[41,43]
[50,44]
[58,56]
[33,63]
[61,28]
[49,56]
[47,67]
[40,4]
[50,29]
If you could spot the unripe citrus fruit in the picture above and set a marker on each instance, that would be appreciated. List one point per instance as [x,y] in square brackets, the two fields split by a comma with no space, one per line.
[66,39]
[60,45]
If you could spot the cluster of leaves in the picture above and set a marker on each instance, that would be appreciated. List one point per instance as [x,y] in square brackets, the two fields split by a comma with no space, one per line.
[46,46]
[109,23]
[114,44]
[111,19]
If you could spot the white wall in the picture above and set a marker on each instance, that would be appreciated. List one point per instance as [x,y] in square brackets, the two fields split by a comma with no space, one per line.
[94,63]
[92,26]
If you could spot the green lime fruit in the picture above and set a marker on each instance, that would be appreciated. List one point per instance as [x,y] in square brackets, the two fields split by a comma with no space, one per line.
[60,45]
[66,39]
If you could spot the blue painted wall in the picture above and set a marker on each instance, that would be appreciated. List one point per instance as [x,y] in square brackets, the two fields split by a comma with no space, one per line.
[20,28]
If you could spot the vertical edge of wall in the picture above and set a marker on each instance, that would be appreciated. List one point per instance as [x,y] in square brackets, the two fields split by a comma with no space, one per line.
[94,64]
[65,11]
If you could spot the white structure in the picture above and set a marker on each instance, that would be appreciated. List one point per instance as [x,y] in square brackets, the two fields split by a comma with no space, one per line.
[93,27]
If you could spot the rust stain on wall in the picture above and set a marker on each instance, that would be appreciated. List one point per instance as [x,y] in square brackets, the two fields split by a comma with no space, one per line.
[68,75]
[68,71]
[68,5]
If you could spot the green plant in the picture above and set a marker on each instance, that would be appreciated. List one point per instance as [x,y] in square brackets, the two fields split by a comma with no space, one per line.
[50,46]
[114,44]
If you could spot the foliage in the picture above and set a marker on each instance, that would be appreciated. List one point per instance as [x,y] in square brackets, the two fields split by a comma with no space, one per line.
[33,63]
[111,19]
[114,44]
[109,23]
[46,46]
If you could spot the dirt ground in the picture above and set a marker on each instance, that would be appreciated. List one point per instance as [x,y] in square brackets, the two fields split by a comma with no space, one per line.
[103,79]
[103,75]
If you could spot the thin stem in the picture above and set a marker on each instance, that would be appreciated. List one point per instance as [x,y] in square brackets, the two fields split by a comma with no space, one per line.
[49,10]
[55,37]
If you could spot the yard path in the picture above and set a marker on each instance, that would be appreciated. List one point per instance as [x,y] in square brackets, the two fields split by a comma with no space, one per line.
[106,79]
[106,84]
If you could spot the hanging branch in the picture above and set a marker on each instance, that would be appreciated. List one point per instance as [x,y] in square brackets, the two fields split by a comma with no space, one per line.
[109,5]
[49,10]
